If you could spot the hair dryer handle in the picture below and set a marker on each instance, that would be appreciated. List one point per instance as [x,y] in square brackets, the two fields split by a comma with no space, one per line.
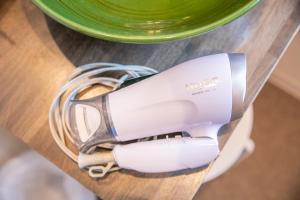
[166,155]
[207,130]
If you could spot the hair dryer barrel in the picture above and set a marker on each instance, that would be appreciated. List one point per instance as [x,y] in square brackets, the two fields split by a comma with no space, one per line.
[204,91]
[197,97]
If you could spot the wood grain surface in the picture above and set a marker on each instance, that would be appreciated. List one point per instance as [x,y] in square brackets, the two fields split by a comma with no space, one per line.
[37,54]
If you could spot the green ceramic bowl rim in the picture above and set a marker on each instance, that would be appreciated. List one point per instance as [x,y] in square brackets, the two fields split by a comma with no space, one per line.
[144,39]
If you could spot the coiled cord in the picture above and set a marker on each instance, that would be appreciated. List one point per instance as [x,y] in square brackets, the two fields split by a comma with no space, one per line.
[84,77]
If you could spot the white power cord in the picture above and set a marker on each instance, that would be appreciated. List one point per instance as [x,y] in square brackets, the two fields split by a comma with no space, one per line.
[85,77]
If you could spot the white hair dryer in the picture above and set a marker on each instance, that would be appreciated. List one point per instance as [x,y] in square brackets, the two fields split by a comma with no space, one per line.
[196,97]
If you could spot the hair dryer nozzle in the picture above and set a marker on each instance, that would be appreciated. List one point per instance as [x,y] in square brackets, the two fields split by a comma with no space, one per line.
[238,75]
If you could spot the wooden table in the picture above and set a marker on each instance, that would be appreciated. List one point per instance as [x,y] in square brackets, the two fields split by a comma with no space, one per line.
[37,54]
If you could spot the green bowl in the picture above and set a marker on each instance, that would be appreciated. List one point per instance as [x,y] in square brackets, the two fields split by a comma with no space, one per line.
[144,21]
